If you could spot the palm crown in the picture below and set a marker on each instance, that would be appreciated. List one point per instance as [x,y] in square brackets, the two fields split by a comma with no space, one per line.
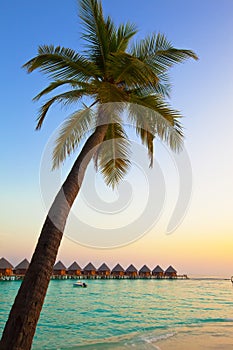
[110,70]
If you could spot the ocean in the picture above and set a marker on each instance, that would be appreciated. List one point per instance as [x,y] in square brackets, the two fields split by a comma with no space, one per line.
[138,314]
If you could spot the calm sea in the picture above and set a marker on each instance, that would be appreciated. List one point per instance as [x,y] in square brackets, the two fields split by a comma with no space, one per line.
[122,314]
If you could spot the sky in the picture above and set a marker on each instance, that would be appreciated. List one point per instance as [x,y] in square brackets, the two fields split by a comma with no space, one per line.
[202,90]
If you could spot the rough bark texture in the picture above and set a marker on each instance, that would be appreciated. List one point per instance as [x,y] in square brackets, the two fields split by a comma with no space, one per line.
[21,325]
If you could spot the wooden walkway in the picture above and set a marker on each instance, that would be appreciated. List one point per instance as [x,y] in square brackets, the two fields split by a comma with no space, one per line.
[96,277]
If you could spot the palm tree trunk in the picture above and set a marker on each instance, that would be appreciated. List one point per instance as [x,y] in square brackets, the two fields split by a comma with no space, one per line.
[21,325]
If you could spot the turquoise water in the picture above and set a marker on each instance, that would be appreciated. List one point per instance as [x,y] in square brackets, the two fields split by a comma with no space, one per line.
[125,313]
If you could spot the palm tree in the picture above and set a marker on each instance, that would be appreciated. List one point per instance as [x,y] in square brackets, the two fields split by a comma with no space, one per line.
[114,76]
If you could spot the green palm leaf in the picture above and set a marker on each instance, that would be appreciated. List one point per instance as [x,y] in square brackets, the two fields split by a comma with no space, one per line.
[101,35]
[159,53]
[112,157]
[96,31]
[58,83]
[62,64]
[130,71]
[151,118]
[65,98]
[73,130]
[162,88]
[123,35]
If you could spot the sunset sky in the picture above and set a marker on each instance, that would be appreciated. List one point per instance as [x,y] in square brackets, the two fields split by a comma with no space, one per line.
[202,91]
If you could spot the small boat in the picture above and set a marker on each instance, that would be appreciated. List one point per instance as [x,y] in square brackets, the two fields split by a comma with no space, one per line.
[80,284]
[232,279]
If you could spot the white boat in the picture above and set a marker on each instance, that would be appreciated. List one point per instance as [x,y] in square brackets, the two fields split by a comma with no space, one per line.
[80,284]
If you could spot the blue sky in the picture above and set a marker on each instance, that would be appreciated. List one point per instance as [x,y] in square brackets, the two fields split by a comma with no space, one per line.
[201,90]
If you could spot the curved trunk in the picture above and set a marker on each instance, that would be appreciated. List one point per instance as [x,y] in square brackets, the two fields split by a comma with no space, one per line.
[21,325]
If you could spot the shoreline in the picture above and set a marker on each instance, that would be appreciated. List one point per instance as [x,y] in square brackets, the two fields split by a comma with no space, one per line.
[208,337]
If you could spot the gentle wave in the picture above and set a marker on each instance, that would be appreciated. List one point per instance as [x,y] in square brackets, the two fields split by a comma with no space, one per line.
[131,341]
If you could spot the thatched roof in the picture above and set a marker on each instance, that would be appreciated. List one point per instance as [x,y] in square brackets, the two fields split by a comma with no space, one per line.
[4,264]
[157,269]
[22,265]
[89,267]
[59,266]
[131,268]
[170,269]
[145,269]
[118,268]
[74,267]
[103,268]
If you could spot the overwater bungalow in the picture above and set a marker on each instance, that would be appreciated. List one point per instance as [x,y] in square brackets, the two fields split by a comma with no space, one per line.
[103,271]
[145,272]
[74,269]
[59,269]
[89,270]
[21,268]
[6,269]
[131,271]
[158,272]
[118,271]
[170,272]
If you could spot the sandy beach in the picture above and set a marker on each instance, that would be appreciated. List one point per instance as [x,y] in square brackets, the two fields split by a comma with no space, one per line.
[203,338]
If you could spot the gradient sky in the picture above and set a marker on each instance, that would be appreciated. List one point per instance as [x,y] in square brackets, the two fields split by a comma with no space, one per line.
[202,91]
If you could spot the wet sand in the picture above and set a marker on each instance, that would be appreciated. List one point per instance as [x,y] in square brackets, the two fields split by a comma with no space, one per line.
[206,338]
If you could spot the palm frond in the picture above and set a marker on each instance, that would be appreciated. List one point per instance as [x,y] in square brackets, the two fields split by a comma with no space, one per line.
[130,71]
[125,32]
[159,53]
[162,45]
[157,119]
[162,88]
[62,64]
[55,84]
[73,130]
[96,33]
[112,157]
[101,35]
[67,97]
